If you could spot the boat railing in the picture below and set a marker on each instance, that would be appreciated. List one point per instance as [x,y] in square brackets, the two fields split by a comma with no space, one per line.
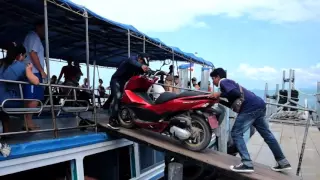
[68,105]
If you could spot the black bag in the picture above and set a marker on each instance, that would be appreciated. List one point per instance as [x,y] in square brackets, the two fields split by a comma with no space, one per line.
[237,104]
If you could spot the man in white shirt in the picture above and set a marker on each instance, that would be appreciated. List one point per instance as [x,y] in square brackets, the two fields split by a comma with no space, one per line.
[35,56]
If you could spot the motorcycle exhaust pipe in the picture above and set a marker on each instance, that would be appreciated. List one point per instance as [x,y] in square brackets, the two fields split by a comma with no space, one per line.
[181,134]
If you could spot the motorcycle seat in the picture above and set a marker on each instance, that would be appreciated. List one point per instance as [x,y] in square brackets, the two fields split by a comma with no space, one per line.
[167,96]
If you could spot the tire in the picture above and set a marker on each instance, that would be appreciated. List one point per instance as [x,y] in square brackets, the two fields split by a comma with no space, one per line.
[129,124]
[206,135]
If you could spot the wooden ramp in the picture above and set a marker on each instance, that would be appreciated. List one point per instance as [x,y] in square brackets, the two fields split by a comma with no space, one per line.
[216,159]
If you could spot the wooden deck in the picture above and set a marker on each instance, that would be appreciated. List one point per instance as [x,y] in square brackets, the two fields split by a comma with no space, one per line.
[290,138]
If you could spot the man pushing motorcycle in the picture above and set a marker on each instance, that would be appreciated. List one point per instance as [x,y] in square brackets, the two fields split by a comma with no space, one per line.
[134,65]
[251,110]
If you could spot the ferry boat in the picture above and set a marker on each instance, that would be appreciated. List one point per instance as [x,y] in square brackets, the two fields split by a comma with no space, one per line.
[63,148]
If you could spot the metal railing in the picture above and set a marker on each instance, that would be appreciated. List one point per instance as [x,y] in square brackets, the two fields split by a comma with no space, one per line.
[23,110]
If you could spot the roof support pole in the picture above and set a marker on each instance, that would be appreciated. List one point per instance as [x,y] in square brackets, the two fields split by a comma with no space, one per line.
[129,54]
[173,67]
[93,96]
[54,122]
[190,75]
[87,47]
[144,44]
[290,86]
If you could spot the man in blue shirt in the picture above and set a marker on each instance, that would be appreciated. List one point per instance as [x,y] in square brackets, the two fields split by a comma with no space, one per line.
[252,112]
[134,65]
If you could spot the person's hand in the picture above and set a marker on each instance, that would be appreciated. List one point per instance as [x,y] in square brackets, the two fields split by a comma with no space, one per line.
[214,95]
[145,68]
[43,74]
[29,67]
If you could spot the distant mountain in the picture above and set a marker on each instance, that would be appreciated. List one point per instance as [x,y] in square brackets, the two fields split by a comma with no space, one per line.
[303,94]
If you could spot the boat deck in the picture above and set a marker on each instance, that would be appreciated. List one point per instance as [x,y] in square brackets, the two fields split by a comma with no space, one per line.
[290,138]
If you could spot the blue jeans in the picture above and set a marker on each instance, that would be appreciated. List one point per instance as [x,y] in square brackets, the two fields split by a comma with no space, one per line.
[256,118]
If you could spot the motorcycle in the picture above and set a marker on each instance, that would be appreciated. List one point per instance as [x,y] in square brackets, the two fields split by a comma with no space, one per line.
[175,115]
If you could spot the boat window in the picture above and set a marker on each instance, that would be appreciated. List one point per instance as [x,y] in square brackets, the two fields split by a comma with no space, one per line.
[50,172]
[149,158]
[111,165]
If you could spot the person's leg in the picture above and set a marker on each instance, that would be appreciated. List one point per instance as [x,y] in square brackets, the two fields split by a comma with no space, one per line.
[241,125]
[106,105]
[33,92]
[29,94]
[262,127]
[116,94]
[5,121]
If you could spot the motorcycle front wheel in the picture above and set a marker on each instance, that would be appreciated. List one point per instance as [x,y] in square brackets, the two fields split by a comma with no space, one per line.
[125,118]
[201,134]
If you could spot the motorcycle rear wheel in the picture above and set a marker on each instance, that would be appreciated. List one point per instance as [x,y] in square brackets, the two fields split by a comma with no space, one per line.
[205,138]
[125,118]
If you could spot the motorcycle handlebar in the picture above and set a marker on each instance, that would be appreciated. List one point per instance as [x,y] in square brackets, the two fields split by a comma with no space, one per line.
[151,72]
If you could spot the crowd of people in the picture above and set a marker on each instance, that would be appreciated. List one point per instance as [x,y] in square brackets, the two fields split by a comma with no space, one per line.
[26,62]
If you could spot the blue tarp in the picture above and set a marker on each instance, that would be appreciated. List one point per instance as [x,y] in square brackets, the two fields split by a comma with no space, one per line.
[51,145]
[108,39]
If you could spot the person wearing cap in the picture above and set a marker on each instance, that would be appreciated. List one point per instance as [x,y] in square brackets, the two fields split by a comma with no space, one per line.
[134,65]
[35,56]
[251,110]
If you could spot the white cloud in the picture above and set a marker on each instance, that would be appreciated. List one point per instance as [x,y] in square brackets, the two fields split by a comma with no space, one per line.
[304,77]
[265,73]
[169,15]
[200,24]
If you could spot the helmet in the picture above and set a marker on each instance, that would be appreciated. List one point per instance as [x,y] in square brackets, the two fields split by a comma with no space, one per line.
[145,57]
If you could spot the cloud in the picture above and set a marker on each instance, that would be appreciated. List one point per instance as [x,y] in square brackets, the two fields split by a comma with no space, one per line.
[304,77]
[170,15]
[200,24]
[264,73]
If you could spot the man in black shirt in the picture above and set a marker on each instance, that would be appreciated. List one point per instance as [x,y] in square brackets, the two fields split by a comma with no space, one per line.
[132,66]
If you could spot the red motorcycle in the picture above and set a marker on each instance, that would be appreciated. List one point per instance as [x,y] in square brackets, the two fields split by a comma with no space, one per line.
[176,115]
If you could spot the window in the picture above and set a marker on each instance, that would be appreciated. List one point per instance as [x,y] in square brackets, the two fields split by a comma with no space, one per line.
[149,158]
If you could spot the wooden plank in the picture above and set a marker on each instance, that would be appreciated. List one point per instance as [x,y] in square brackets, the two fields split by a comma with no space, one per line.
[212,158]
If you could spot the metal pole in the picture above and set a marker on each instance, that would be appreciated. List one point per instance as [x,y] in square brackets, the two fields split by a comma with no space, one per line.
[293,76]
[87,47]
[266,92]
[274,109]
[190,77]
[290,87]
[54,120]
[93,96]
[304,143]
[175,171]
[266,99]
[129,54]
[173,67]
[284,80]
[144,44]
[318,103]
[223,128]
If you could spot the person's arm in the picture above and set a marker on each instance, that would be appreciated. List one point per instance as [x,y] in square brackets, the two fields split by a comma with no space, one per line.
[31,77]
[134,62]
[35,60]
[61,73]
[18,71]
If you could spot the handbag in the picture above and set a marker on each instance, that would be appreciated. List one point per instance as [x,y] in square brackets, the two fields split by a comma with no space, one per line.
[237,104]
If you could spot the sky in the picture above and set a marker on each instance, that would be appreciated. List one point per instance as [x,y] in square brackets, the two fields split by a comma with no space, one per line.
[254,40]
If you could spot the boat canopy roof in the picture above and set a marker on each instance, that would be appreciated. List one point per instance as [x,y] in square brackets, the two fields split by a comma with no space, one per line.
[108,40]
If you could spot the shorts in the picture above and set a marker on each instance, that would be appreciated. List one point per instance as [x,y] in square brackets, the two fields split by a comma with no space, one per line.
[33,91]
